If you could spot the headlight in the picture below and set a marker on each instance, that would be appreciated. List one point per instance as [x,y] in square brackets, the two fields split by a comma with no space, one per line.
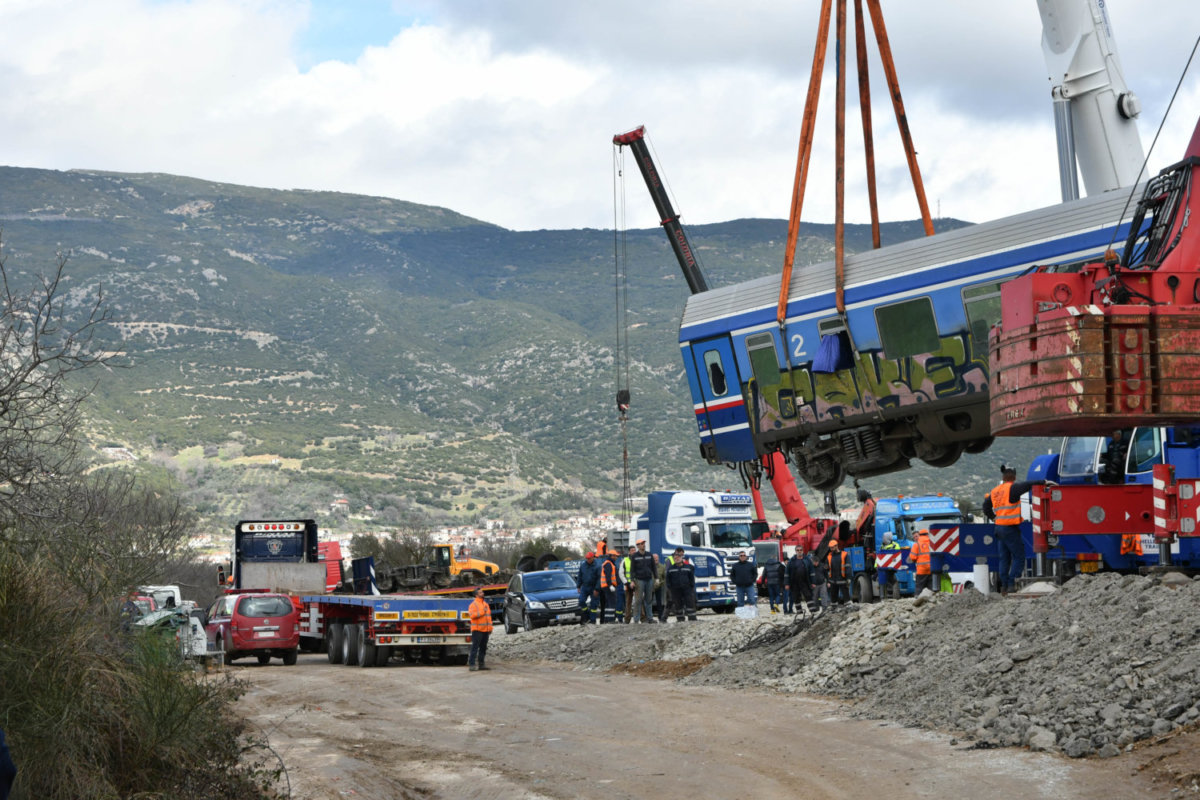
[534,604]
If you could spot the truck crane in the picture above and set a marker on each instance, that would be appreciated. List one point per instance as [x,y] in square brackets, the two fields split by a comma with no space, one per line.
[773,464]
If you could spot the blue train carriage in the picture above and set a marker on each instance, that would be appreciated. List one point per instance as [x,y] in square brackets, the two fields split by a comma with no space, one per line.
[902,375]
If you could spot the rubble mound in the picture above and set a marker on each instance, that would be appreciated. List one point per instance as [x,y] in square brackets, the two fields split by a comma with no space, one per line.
[1086,669]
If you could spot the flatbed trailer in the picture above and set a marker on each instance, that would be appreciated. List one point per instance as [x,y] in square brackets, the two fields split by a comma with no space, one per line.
[367,630]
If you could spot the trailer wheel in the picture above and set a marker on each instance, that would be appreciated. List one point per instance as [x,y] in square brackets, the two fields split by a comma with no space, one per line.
[861,593]
[333,636]
[349,644]
[366,648]
[382,654]
[289,658]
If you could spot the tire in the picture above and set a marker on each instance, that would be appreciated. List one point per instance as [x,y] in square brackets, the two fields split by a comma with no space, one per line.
[227,656]
[861,593]
[527,623]
[333,636]
[350,645]
[289,658]
[383,654]
[264,659]
[508,626]
[366,648]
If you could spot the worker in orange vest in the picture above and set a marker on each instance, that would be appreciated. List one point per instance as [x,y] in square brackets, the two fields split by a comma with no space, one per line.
[837,570]
[1131,543]
[1003,504]
[608,589]
[481,629]
[921,557]
[602,547]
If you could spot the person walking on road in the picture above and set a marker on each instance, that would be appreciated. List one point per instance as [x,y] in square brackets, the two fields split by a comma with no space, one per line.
[589,587]
[481,629]
[743,574]
[681,583]
[921,558]
[775,575]
[610,600]
[642,567]
[1003,504]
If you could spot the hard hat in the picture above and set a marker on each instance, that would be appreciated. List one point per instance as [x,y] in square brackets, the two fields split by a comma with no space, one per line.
[887,536]
[641,541]
[589,555]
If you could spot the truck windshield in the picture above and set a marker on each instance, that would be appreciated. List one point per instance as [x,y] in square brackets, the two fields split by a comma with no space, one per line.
[548,581]
[1079,455]
[730,534]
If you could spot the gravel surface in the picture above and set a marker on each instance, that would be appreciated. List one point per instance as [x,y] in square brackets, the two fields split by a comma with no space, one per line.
[1084,669]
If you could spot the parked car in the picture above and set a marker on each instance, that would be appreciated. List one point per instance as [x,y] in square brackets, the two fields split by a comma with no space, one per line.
[260,624]
[537,599]
[180,624]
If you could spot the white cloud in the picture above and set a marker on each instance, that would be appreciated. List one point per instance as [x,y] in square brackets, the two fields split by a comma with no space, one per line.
[504,111]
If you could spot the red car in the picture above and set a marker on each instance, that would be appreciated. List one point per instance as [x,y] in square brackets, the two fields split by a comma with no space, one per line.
[258,624]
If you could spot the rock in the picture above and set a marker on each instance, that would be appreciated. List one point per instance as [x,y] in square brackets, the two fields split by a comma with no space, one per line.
[1039,738]
[1108,751]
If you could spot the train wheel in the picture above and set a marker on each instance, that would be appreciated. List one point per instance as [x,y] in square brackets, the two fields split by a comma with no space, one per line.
[943,456]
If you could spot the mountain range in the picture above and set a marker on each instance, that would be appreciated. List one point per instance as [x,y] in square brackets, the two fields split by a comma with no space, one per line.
[277,349]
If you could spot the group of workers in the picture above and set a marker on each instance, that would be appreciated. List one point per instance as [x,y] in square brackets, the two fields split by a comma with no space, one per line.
[626,589]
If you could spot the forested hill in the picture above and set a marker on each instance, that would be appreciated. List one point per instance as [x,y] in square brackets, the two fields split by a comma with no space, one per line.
[283,347]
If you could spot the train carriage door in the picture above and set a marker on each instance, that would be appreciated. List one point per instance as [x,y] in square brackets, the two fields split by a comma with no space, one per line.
[717,399]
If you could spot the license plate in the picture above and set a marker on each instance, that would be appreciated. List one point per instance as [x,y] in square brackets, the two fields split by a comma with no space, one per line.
[264,634]
[565,617]
[1089,566]
[430,639]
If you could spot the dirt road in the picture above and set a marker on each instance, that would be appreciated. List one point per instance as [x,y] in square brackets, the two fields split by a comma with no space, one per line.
[526,730]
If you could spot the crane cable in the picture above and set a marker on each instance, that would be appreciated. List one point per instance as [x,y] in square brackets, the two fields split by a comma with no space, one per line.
[621,351]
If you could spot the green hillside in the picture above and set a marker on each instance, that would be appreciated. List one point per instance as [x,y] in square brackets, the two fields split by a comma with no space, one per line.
[281,347]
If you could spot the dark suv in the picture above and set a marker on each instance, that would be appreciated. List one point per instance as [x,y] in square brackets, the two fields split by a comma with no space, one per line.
[537,599]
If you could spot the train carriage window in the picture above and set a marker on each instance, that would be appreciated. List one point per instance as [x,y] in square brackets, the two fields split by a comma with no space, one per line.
[764,361]
[716,373]
[908,328]
[982,304]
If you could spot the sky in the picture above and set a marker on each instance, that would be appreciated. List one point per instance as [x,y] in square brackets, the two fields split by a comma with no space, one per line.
[504,110]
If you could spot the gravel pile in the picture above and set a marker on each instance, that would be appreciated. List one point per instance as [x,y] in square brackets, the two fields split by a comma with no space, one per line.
[1086,669]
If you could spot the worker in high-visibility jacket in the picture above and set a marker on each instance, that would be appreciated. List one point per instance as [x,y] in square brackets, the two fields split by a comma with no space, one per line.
[1131,543]
[1003,504]
[920,557]
[480,614]
[609,584]
[885,575]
